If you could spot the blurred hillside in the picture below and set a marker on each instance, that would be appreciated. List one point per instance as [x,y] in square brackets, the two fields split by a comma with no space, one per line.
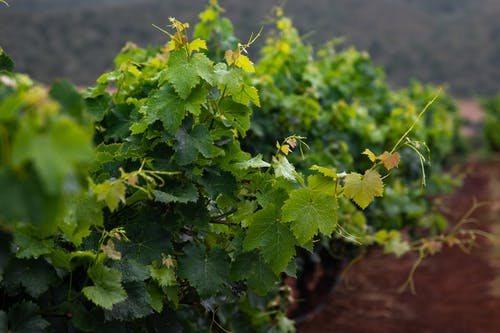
[453,41]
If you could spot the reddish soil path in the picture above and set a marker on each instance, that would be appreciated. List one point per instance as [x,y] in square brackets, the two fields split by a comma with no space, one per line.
[456,292]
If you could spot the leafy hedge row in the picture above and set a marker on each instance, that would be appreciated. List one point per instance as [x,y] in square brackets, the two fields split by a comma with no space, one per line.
[175,194]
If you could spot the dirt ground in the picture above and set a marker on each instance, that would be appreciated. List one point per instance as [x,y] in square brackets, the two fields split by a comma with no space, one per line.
[456,292]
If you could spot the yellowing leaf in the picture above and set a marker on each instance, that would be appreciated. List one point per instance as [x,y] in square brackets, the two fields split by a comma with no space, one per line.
[245,63]
[363,188]
[327,172]
[229,56]
[285,149]
[196,45]
[111,192]
[390,160]
[110,251]
[370,155]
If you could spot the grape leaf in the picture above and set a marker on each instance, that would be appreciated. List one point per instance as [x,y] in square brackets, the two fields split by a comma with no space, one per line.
[204,67]
[25,318]
[107,289]
[131,270]
[166,106]
[243,62]
[370,154]
[56,153]
[274,240]
[135,306]
[156,296]
[82,212]
[196,45]
[310,211]
[363,188]
[6,63]
[236,115]
[189,145]
[390,160]
[35,276]
[252,268]
[164,275]
[206,271]
[283,168]
[112,192]
[181,194]
[29,246]
[181,73]
[254,162]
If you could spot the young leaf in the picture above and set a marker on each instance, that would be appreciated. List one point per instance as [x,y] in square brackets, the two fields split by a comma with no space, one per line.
[390,160]
[107,289]
[164,275]
[283,168]
[181,73]
[111,192]
[363,188]
[274,240]
[310,211]
[370,154]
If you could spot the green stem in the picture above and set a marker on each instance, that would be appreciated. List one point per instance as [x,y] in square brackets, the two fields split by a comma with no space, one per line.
[396,146]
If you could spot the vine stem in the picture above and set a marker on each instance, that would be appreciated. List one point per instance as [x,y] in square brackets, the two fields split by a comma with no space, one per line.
[424,110]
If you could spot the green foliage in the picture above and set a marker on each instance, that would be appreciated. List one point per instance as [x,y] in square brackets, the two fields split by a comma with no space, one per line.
[160,200]
[492,121]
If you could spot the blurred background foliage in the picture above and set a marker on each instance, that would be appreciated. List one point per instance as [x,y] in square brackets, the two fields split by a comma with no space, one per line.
[456,42]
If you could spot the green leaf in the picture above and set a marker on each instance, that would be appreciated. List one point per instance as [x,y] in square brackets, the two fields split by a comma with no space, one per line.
[310,211]
[6,63]
[206,271]
[251,267]
[283,168]
[70,99]
[131,269]
[166,106]
[255,162]
[82,213]
[135,306]
[111,192]
[189,145]
[246,94]
[236,115]
[56,153]
[98,106]
[35,276]
[363,188]
[274,240]
[156,296]
[182,194]
[204,67]
[181,73]
[164,275]
[30,246]
[107,289]
[25,318]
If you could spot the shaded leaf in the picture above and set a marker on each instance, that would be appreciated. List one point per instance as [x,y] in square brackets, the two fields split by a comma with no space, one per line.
[274,240]
[206,271]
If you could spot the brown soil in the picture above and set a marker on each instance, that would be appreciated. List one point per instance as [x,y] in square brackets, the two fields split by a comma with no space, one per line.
[456,292]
